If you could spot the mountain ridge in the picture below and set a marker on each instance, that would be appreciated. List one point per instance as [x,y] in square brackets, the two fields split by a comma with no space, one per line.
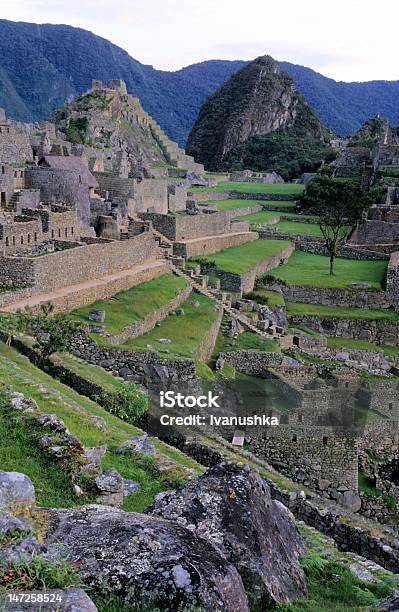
[42,65]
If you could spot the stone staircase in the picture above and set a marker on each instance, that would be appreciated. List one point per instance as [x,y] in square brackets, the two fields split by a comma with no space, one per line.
[174,154]
[199,284]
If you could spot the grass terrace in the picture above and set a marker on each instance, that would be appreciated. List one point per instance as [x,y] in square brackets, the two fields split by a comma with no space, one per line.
[21,452]
[295,228]
[263,216]
[129,306]
[223,205]
[245,341]
[242,258]
[186,332]
[340,312]
[364,345]
[278,188]
[266,297]
[311,270]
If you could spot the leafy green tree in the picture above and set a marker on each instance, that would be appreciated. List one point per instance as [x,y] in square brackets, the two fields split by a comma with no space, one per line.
[9,325]
[126,401]
[52,332]
[339,205]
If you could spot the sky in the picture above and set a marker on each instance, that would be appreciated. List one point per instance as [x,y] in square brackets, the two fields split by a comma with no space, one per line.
[348,40]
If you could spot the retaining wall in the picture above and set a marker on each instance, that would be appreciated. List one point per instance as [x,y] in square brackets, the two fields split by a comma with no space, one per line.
[206,246]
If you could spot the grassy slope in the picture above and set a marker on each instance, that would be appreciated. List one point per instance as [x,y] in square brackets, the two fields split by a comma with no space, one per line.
[186,332]
[134,304]
[266,215]
[242,258]
[264,296]
[246,340]
[349,343]
[280,188]
[368,314]
[75,410]
[313,271]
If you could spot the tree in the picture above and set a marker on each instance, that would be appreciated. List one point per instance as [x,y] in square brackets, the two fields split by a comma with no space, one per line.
[52,332]
[9,325]
[339,205]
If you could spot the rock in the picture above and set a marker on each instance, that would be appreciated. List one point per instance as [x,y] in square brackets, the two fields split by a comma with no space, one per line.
[94,455]
[352,501]
[97,315]
[149,561]
[180,312]
[138,445]
[231,507]
[362,573]
[27,548]
[129,487]
[109,481]
[195,303]
[11,523]
[52,422]
[359,286]
[391,604]
[99,422]
[19,402]
[164,340]
[77,490]
[323,484]
[16,491]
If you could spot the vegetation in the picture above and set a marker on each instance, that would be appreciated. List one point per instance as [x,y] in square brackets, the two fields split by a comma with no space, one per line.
[334,588]
[312,271]
[272,188]
[52,332]
[20,452]
[341,312]
[264,216]
[242,258]
[338,205]
[185,332]
[289,152]
[37,574]
[125,401]
[129,306]
[266,297]
[296,227]
[353,343]
[77,130]
[246,340]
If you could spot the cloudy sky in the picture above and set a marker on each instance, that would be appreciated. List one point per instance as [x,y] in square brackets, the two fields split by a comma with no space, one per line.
[348,40]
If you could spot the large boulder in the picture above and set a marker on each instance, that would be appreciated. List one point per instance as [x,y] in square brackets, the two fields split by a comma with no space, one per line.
[231,507]
[16,491]
[68,600]
[148,560]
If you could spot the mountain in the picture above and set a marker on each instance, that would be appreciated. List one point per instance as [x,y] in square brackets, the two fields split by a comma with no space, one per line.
[43,65]
[259,120]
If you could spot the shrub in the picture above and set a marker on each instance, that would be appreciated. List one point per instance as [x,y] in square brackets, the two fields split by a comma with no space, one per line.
[126,401]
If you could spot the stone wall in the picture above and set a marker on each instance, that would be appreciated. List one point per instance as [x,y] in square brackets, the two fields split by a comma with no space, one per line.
[63,186]
[275,197]
[311,455]
[377,332]
[187,227]
[328,296]
[254,363]
[148,194]
[19,236]
[146,367]
[177,197]
[375,233]
[206,348]
[207,196]
[392,285]
[142,326]
[15,273]
[206,246]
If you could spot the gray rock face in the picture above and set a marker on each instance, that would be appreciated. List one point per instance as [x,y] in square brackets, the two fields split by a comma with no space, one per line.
[139,444]
[231,507]
[11,523]
[27,548]
[16,491]
[148,560]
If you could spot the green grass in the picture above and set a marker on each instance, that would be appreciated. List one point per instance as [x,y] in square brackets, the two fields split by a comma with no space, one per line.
[350,343]
[334,588]
[129,306]
[340,312]
[265,216]
[266,297]
[95,374]
[242,258]
[245,341]
[18,451]
[279,188]
[186,332]
[313,271]
[282,203]
[293,227]
[231,204]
